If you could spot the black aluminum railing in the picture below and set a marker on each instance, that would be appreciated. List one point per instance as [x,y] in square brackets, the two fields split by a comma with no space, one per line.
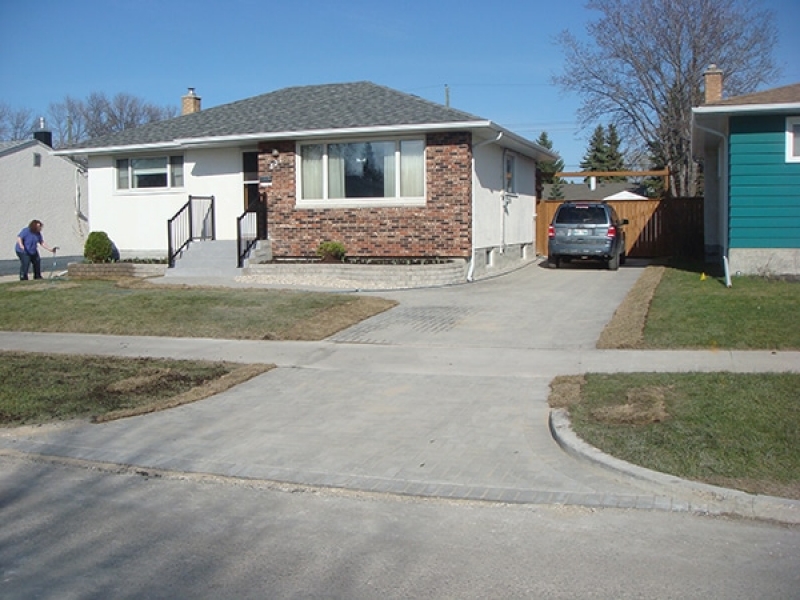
[194,221]
[246,235]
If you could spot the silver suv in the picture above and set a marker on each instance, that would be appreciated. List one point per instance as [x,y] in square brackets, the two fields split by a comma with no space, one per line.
[586,230]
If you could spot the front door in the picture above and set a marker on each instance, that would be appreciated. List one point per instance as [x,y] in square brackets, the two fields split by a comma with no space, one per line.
[254,200]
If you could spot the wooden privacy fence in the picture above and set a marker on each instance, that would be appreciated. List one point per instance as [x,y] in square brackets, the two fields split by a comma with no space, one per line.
[666,227]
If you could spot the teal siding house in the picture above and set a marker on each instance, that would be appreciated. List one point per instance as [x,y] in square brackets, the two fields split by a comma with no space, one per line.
[751,148]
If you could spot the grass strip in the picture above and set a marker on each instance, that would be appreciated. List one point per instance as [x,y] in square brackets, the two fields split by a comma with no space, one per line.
[732,429]
[39,388]
[140,308]
[689,310]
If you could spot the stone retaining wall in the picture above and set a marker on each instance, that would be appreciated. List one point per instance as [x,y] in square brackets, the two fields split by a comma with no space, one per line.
[114,270]
[361,277]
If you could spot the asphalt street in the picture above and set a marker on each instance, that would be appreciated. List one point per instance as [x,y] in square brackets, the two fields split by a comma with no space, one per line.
[71,532]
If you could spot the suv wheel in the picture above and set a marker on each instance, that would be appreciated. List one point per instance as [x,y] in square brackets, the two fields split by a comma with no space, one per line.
[613,263]
[553,261]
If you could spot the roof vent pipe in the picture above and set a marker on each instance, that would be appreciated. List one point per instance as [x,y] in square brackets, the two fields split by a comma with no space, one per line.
[43,134]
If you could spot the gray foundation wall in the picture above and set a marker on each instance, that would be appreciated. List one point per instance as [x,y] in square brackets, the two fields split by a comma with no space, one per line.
[765,262]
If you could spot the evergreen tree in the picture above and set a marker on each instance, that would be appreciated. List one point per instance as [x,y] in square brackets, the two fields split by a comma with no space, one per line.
[614,159]
[596,153]
[549,169]
[557,190]
[603,153]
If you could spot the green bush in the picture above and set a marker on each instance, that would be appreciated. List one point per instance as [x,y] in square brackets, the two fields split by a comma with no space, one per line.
[331,251]
[98,248]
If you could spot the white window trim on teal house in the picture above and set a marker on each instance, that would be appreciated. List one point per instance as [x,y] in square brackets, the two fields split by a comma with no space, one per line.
[131,171]
[323,185]
[793,139]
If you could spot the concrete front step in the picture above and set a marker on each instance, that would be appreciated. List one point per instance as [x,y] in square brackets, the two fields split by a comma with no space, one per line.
[207,258]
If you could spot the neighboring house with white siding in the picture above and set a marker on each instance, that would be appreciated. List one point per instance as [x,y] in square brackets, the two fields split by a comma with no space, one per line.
[36,184]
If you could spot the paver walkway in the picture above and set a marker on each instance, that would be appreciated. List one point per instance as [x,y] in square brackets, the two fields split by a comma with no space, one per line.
[445,396]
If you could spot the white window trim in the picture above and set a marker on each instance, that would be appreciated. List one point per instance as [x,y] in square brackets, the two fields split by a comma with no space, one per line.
[333,203]
[169,188]
[791,122]
[513,191]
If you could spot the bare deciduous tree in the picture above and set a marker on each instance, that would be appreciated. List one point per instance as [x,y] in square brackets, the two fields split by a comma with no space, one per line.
[75,120]
[643,68]
[15,124]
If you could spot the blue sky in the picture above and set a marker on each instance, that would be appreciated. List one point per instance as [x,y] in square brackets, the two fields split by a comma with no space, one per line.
[497,57]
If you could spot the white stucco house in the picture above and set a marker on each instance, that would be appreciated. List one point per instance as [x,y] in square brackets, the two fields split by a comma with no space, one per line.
[386,173]
[37,184]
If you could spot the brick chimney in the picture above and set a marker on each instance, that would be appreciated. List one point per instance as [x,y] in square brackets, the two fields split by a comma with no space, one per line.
[190,103]
[712,81]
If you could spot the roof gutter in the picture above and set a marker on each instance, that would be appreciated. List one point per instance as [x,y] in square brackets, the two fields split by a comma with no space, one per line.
[746,108]
[521,144]
[229,140]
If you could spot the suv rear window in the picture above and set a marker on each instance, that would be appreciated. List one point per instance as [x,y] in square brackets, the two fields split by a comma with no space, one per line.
[589,215]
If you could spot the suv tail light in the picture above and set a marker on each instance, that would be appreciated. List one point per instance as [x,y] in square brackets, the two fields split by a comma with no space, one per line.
[551,231]
[612,232]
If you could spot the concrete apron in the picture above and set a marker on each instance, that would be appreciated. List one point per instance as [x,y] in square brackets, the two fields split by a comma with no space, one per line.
[444,396]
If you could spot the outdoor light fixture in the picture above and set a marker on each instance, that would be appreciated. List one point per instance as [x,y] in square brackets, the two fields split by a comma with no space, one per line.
[276,159]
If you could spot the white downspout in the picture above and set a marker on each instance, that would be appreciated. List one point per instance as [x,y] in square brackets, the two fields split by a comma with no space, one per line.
[471,271]
[723,188]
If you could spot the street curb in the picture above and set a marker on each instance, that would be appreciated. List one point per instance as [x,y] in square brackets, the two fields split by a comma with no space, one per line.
[720,500]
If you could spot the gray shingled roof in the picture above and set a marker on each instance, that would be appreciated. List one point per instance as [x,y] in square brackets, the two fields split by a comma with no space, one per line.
[294,109]
[604,189]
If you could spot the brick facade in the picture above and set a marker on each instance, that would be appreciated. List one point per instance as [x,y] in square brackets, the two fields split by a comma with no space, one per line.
[443,227]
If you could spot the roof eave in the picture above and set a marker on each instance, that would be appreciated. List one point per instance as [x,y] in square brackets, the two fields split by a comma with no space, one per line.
[734,109]
[519,143]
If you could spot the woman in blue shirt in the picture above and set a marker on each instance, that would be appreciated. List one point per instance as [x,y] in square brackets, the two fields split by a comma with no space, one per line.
[27,249]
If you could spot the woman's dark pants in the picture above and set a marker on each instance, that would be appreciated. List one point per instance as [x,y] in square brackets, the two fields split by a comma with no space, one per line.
[25,260]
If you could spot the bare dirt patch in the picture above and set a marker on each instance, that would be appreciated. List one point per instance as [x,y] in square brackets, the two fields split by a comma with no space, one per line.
[626,328]
[565,391]
[643,406]
[141,381]
[211,388]
[43,286]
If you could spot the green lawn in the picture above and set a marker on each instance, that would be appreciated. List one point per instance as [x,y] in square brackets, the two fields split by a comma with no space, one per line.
[138,308]
[737,430]
[37,388]
[756,313]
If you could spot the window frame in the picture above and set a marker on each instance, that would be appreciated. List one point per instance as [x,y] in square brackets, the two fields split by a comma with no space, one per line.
[327,202]
[792,137]
[510,174]
[174,169]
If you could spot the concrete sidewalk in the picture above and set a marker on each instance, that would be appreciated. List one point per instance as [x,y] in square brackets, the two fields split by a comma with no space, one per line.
[443,396]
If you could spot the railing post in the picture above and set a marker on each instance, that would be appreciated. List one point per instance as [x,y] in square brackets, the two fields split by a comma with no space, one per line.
[191,219]
[170,256]
[213,220]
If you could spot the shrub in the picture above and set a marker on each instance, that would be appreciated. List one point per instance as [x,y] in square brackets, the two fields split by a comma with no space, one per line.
[331,251]
[98,247]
